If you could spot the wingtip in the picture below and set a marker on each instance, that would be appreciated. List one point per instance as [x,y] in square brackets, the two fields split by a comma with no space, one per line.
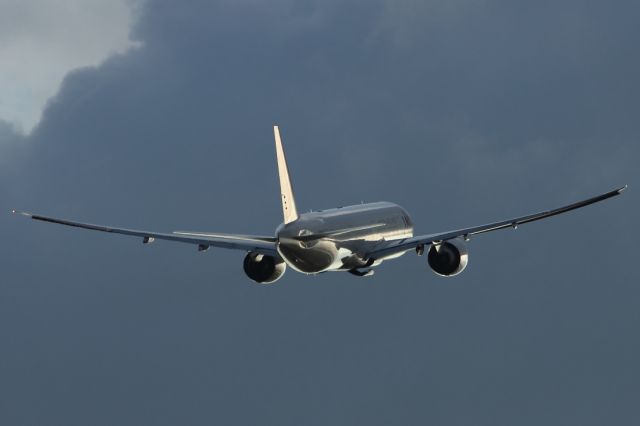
[14,211]
[622,189]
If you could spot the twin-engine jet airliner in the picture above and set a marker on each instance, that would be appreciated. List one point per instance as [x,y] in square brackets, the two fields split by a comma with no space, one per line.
[353,239]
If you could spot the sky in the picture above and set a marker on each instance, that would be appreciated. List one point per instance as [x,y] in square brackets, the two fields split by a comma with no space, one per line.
[158,115]
[41,40]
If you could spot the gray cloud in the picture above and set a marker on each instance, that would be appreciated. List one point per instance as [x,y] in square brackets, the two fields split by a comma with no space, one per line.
[460,111]
[40,41]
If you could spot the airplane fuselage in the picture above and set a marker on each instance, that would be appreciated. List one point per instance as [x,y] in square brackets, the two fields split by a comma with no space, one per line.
[335,239]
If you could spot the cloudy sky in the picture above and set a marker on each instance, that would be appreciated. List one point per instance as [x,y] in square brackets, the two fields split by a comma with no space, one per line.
[158,115]
[42,40]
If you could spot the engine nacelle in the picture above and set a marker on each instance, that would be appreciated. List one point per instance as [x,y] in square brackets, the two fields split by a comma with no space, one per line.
[263,269]
[448,258]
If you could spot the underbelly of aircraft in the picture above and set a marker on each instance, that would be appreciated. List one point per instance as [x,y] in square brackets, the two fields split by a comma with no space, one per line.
[324,255]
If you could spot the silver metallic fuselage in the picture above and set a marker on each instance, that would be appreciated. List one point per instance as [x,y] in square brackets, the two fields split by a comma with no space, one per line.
[337,239]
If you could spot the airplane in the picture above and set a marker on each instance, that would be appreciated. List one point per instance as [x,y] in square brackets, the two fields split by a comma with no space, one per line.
[353,239]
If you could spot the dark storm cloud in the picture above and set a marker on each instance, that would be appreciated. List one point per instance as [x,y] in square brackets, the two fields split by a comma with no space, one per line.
[460,111]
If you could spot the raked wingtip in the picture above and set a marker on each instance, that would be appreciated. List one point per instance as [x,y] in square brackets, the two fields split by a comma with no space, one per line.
[14,211]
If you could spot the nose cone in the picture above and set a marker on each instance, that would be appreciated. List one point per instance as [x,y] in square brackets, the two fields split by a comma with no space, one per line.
[304,256]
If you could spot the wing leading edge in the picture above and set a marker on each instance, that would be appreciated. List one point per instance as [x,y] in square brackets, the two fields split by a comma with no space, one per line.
[398,246]
[260,244]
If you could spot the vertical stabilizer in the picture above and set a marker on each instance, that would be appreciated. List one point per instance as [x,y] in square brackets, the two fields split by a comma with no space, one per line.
[286,191]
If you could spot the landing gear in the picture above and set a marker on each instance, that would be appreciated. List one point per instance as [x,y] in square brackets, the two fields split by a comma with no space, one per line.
[361,273]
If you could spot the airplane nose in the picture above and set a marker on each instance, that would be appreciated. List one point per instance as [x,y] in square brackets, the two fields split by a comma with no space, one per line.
[307,257]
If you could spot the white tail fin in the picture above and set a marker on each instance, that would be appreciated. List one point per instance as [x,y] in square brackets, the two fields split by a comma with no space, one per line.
[286,191]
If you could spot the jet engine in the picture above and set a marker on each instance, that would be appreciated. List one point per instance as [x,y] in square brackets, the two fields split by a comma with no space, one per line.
[448,258]
[262,268]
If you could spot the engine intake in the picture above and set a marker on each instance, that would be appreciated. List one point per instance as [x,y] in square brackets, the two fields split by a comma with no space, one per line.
[448,258]
[262,268]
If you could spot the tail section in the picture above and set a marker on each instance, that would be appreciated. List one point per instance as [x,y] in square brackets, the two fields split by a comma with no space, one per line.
[286,191]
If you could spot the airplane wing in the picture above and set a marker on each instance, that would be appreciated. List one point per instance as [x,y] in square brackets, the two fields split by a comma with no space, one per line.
[397,246]
[264,245]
